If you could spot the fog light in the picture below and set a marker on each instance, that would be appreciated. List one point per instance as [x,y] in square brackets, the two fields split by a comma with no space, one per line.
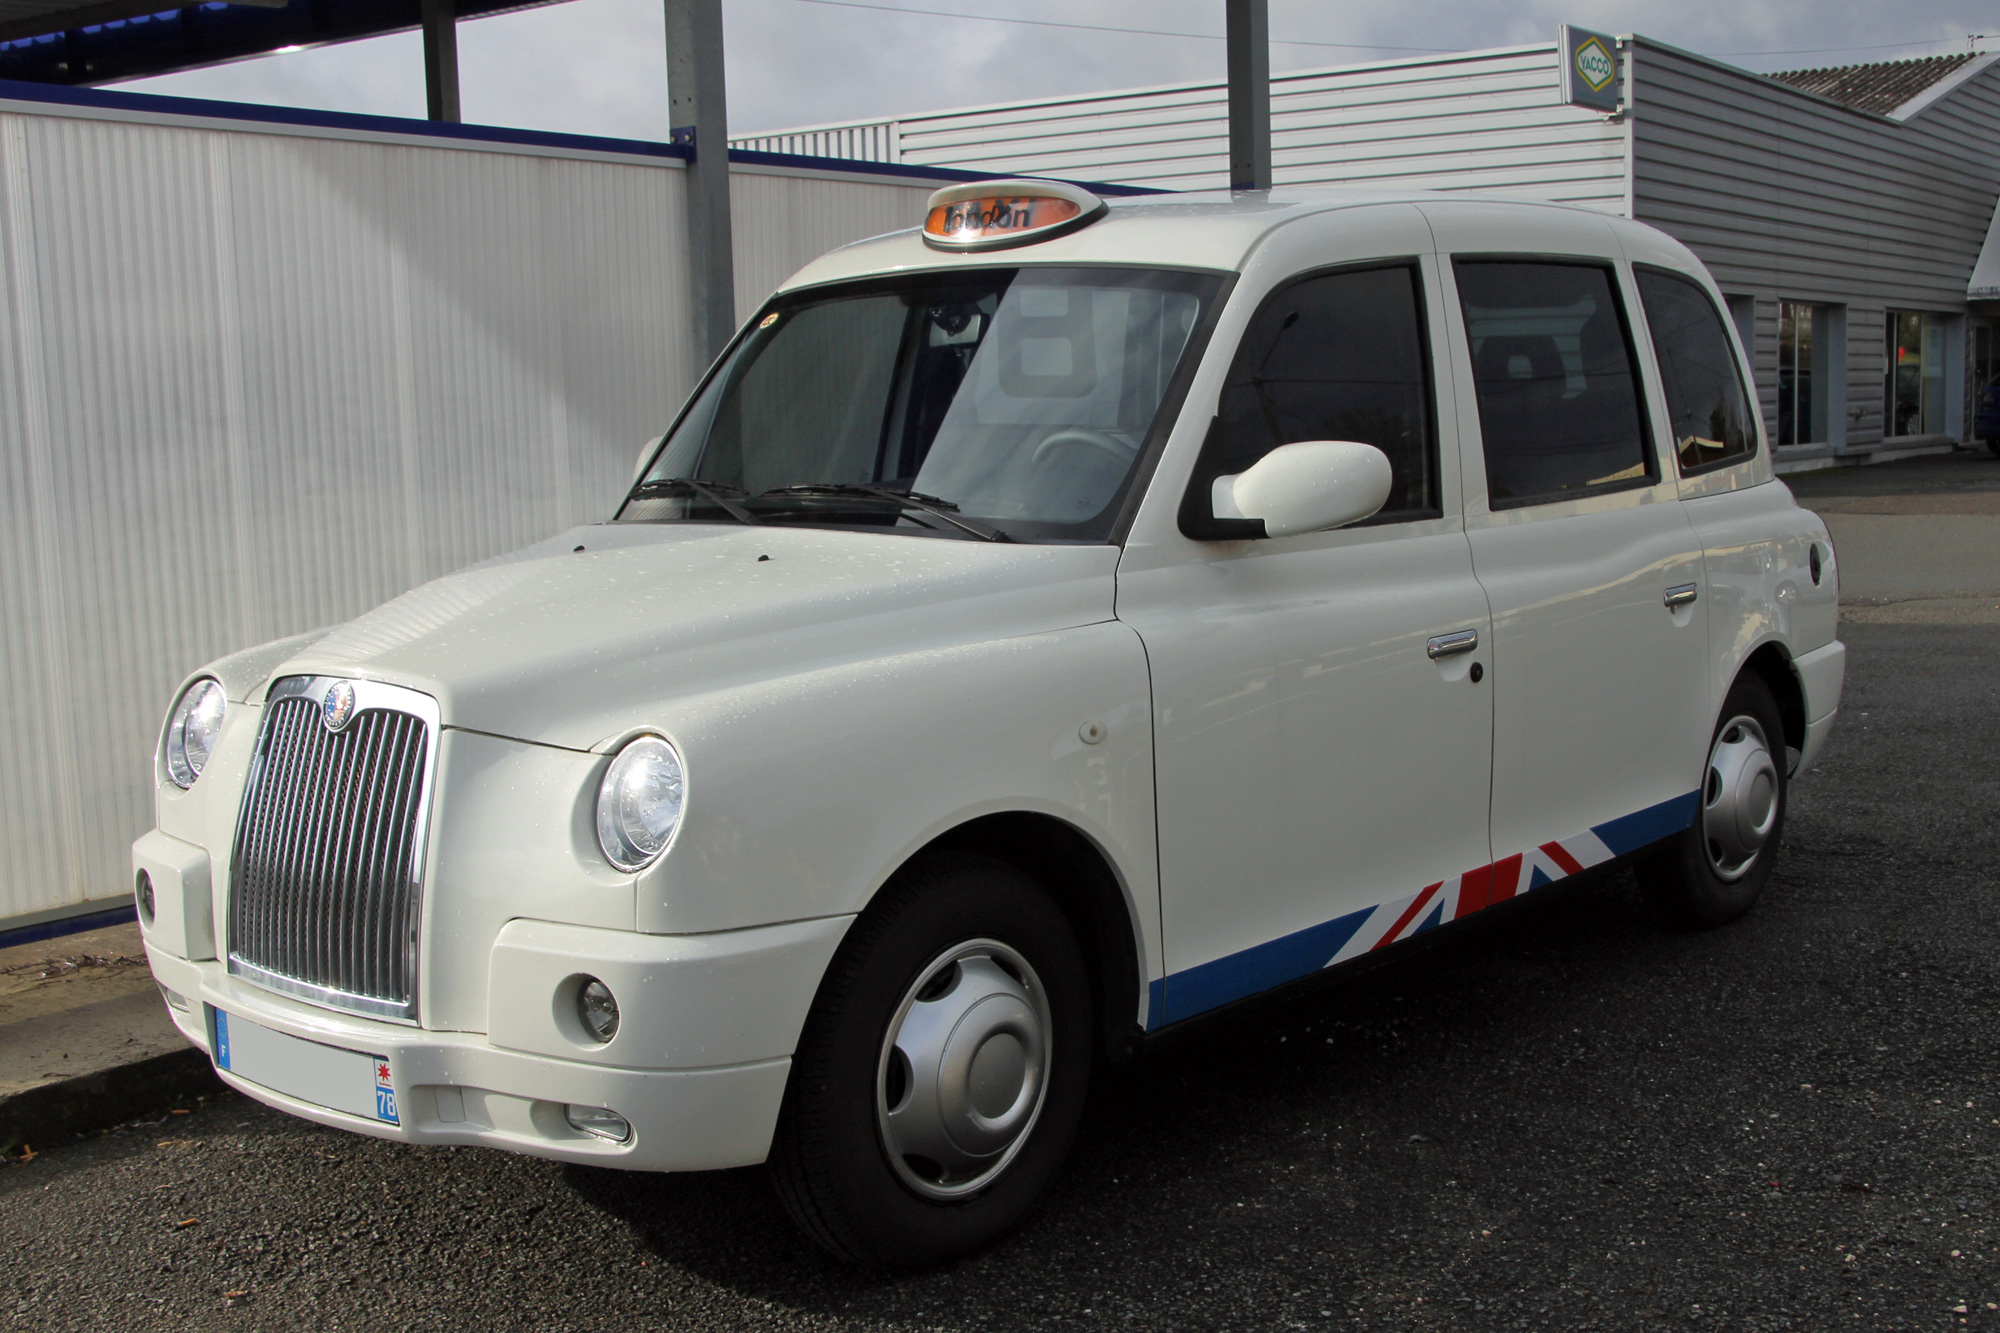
[145,895]
[174,999]
[598,1122]
[598,1009]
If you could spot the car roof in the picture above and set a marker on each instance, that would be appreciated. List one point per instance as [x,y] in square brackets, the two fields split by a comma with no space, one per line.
[1205,230]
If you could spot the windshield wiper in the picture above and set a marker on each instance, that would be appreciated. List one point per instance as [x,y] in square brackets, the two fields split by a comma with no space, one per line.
[711,491]
[928,504]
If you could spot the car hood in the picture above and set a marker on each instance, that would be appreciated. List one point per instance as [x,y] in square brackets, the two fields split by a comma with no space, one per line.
[578,639]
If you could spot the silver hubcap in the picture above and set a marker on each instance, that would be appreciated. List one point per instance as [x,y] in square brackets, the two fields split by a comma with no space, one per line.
[964,1068]
[1739,800]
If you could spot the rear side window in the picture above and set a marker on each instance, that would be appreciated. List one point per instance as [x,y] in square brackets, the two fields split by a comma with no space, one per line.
[1340,356]
[1552,362]
[1711,413]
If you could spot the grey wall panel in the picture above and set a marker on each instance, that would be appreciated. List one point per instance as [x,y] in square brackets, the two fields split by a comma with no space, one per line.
[254,381]
[1488,121]
[1790,197]
[780,222]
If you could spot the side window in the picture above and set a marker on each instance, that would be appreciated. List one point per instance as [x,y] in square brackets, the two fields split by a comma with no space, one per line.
[1551,360]
[1705,398]
[1341,356]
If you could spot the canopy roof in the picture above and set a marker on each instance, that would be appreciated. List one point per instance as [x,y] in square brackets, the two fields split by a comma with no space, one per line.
[99,41]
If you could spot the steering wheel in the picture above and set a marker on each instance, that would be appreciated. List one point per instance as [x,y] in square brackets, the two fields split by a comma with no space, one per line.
[1120,451]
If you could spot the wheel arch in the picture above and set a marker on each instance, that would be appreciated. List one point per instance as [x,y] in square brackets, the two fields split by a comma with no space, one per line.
[1081,879]
[1772,664]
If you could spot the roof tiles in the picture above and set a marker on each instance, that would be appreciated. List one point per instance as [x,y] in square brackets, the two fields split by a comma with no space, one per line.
[1881,87]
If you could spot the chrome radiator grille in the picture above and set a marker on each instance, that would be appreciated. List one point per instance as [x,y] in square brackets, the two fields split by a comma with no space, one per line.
[326,880]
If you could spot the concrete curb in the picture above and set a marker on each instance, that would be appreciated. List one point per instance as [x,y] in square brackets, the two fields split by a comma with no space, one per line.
[53,1112]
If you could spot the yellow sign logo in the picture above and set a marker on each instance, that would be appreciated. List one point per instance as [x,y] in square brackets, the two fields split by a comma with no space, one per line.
[1595,64]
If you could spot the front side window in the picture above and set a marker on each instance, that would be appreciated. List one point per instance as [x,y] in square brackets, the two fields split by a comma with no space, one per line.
[1914,389]
[1705,399]
[1552,364]
[1339,356]
[1001,402]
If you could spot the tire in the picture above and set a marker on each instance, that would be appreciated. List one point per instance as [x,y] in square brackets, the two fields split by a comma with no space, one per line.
[1993,443]
[1715,871]
[942,1069]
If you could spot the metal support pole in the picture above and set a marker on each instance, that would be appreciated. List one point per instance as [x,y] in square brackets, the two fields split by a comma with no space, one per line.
[1247,23]
[441,59]
[700,117]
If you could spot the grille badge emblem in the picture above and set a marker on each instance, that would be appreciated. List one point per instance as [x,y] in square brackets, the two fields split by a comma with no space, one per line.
[337,708]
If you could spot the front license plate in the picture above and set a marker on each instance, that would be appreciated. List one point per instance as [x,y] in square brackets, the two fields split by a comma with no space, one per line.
[330,1076]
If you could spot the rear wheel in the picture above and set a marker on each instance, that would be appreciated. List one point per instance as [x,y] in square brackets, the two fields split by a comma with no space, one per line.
[941,1074]
[1715,871]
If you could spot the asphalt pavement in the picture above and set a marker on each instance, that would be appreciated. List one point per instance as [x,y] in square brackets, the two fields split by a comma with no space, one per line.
[1568,1118]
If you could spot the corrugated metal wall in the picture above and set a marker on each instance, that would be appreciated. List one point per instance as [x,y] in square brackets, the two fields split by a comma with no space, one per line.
[1786,196]
[1484,121]
[254,381]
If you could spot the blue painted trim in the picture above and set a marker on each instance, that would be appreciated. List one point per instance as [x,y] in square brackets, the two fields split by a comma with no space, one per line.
[1631,832]
[256,113]
[1258,968]
[69,925]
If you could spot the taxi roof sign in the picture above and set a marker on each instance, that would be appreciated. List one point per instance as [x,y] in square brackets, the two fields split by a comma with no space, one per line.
[991,215]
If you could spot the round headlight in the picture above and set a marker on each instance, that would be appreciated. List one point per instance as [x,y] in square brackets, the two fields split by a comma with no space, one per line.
[191,731]
[639,804]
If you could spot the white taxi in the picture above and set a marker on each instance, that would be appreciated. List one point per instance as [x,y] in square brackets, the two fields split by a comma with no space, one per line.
[1042,627]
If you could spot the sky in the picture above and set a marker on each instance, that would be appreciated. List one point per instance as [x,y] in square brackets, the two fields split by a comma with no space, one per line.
[599,66]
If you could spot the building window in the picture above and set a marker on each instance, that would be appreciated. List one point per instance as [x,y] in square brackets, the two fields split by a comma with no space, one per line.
[1796,422]
[1913,393]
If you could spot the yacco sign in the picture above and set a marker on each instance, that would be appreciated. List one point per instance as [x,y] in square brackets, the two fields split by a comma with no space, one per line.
[1589,69]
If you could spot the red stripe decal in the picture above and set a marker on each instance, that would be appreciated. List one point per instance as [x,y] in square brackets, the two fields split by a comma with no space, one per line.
[1409,915]
[1473,886]
[1554,851]
[1506,878]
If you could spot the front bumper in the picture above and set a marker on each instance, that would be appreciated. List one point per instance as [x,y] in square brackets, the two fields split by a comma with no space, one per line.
[698,1068]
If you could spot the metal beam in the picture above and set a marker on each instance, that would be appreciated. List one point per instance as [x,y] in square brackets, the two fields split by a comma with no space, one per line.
[440,20]
[1248,25]
[699,115]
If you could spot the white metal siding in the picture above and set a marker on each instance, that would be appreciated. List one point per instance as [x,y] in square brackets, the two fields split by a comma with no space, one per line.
[254,381]
[1488,121]
[1788,196]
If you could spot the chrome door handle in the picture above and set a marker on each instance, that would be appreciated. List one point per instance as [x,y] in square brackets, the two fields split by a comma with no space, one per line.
[1451,645]
[1681,596]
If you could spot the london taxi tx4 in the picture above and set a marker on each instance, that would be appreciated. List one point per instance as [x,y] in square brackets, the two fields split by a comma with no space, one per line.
[1040,628]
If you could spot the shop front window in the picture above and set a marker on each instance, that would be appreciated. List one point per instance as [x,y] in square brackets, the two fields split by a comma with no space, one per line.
[1914,378]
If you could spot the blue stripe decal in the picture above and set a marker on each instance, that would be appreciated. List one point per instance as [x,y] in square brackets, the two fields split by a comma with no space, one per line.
[1538,878]
[1258,968]
[1631,832]
[1436,917]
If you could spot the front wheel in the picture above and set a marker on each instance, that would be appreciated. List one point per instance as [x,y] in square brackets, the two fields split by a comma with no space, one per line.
[1714,872]
[942,1071]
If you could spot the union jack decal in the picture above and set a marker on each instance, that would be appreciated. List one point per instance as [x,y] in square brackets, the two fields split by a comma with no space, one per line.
[1207,985]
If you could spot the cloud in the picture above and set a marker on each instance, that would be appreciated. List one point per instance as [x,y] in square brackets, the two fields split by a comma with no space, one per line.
[599,66]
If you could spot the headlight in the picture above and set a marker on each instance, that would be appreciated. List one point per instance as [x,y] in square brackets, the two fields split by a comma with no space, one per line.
[191,731]
[639,803]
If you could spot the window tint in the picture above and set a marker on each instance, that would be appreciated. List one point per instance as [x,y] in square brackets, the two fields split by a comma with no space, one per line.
[1705,398]
[1339,357]
[1558,402]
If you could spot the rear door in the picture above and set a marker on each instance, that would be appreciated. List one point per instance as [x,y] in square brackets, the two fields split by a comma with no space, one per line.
[1592,570]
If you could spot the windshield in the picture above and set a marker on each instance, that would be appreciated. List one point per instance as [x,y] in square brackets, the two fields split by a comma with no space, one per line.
[996,403]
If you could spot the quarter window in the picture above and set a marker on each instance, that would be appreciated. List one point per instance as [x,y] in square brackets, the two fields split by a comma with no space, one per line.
[1341,356]
[1552,363]
[1705,398]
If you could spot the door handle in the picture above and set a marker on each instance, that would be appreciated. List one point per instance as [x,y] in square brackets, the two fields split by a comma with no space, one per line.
[1676,598]
[1451,645]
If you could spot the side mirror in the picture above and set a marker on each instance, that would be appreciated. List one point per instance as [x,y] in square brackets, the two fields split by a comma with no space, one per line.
[645,457]
[1310,486]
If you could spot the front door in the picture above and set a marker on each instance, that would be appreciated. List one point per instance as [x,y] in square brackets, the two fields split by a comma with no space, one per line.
[1322,778]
